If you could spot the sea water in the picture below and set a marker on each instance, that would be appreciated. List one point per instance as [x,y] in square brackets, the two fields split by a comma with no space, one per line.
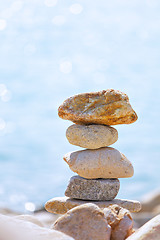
[50,50]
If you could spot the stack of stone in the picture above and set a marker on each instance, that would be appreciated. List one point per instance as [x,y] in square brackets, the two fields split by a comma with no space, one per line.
[98,166]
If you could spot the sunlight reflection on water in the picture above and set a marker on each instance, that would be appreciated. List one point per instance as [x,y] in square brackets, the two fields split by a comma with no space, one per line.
[59,20]
[65,67]
[76,8]
[51,50]
[50,3]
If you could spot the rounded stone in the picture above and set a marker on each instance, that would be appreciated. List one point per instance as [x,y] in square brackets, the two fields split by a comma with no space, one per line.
[120,220]
[92,189]
[12,228]
[91,136]
[61,205]
[83,223]
[99,163]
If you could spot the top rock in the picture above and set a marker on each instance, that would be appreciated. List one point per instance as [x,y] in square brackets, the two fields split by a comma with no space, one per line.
[108,107]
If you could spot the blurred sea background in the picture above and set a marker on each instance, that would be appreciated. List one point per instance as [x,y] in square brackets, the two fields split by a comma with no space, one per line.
[53,49]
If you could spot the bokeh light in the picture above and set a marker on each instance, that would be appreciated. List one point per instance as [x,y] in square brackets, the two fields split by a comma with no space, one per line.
[50,3]
[59,20]
[3,24]
[3,89]
[76,8]
[2,124]
[6,97]
[29,206]
[65,67]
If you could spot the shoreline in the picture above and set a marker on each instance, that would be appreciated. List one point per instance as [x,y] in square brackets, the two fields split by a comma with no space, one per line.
[150,208]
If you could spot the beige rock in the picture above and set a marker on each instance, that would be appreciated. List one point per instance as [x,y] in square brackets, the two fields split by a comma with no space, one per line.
[156,210]
[16,229]
[120,221]
[46,218]
[110,215]
[85,222]
[30,218]
[150,208]
[9,212]
[108,107]
[150,201]
[141,218]
[61,205]
[149,231]
[91,136]
[100,163]
[92,189]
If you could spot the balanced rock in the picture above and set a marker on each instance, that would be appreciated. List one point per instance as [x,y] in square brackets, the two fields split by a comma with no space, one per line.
[108,107]
[91,136]
[99,163]
[84,222]
[61,205]
[92,189]
[120,220]
[149,231]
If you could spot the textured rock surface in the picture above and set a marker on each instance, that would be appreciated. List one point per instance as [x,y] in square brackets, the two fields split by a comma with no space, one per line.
[61,205]
[92,189]
[149,231]
[100,163]
[91,136]
[120,221]
[16,229]
[108,107]
[85,222]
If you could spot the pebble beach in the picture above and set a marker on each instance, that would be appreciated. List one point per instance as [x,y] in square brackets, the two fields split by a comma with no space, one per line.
[150,208]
